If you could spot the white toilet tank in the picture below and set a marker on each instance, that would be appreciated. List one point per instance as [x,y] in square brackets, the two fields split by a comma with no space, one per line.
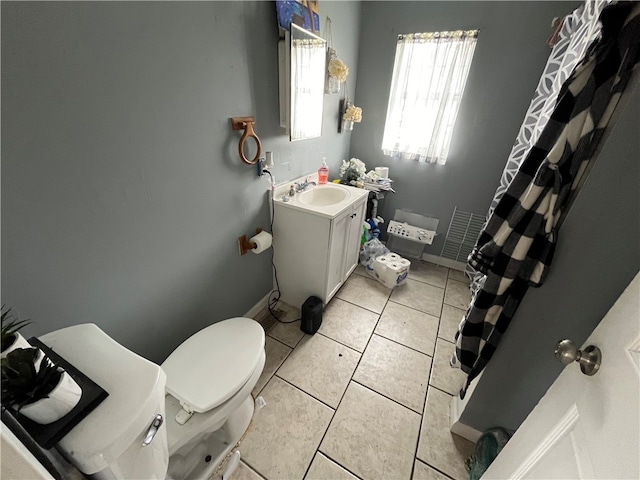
[108,442]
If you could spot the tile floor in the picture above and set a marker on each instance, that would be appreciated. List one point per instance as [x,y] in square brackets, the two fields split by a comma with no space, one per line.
[368,395]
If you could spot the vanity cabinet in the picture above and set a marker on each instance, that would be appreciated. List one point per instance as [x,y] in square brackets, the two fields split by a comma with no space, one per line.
[315,254]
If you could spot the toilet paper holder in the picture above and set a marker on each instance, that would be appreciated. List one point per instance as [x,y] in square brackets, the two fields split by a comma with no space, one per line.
[245,245]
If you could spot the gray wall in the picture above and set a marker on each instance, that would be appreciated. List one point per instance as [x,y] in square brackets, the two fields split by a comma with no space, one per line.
[122,192]
[598,254]
[508,60]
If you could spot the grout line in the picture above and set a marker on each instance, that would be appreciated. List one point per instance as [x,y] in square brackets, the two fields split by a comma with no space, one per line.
[284,343]
[422,417]
[306,393]
[424,281]
[336,462]
[351,379]
[424,404]
[406,346]
[274,372]
[344,393]
[454,306]
[389,398]
[448,341]
[340,343]
[434,468]
[243,461]
[360,306]
[441,390]
[416,309]
[281,342]
[459,281]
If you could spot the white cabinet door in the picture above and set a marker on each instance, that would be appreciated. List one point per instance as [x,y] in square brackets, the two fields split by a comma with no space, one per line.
[586,427]
[356,217]
[337,250]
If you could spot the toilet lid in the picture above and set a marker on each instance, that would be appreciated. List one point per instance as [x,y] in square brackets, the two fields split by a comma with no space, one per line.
[213,364]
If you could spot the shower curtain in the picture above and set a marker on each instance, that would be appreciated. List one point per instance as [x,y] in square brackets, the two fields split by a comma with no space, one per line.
[516,246]
[579,29]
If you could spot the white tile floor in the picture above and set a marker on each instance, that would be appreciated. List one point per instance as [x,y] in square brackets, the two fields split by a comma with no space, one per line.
[368,395]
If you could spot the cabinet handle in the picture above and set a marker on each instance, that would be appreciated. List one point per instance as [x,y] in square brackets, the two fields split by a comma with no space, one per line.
[353,215]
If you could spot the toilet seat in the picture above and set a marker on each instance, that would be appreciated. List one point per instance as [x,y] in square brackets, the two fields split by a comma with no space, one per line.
[213,364]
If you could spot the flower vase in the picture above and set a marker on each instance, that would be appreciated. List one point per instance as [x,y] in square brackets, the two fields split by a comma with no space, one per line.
[18,342]
[333,85]
[60,401]
[347,126]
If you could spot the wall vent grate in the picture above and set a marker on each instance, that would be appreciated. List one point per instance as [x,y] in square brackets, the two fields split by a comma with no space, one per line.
[462,235]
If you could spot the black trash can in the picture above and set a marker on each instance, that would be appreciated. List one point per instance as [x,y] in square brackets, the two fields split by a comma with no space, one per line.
[311,317]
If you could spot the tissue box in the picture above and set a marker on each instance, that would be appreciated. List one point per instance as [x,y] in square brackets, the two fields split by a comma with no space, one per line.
[391,270]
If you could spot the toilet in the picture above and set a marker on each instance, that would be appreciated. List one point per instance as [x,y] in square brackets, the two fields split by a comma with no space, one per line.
[189,412]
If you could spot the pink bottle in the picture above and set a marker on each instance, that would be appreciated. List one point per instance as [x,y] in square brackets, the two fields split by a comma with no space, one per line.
[323,173]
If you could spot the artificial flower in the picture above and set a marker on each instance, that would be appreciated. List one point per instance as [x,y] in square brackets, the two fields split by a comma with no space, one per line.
[338,69]
[353,171]
[353,114]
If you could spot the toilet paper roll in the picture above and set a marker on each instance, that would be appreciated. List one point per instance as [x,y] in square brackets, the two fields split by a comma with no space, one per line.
[383,172]
[403,262]
[262,240]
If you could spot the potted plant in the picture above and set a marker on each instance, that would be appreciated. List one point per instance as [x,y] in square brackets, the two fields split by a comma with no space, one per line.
[43,394]
[11,338]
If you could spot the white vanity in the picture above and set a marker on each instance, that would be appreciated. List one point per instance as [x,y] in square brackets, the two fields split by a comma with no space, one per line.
[316,239]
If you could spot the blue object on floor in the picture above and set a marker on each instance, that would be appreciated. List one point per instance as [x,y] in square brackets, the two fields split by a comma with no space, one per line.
[487,449]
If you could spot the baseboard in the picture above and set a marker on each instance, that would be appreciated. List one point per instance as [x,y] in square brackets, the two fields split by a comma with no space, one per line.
[457,427]
[456,408]
[445,262]
[262,303]
[465,431]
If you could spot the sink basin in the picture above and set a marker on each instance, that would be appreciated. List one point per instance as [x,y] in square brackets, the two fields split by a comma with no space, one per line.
[323,195]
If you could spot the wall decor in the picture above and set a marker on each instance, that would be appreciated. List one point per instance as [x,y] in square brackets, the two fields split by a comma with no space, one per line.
[337,70]
[304,13]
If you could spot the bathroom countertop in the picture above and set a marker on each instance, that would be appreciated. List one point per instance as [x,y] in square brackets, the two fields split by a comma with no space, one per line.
[329,211]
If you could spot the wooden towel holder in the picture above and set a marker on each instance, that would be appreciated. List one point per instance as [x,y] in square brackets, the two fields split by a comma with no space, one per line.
[246,124]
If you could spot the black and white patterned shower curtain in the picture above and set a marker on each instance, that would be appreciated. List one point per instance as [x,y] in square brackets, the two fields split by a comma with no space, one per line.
[516,246]
[579,29]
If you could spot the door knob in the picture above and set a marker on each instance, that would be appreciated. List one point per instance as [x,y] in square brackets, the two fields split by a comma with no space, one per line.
[589,358]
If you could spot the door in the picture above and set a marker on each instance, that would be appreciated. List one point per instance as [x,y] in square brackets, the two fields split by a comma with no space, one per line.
[352,254]
[337,245]
[586,427]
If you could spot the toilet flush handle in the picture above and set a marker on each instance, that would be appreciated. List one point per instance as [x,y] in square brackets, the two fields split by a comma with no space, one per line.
[153,429]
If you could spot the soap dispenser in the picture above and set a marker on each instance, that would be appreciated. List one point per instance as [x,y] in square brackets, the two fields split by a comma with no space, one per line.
[323,172]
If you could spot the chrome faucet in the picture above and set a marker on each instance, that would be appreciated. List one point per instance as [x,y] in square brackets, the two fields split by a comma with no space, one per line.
[302,186]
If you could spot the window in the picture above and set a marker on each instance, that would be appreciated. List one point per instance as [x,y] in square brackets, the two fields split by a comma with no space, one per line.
[429,74]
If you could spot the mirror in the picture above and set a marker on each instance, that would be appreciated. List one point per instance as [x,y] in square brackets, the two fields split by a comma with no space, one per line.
[302,57]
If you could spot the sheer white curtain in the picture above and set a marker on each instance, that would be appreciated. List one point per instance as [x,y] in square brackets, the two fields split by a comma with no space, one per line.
[429,75]
[307,87]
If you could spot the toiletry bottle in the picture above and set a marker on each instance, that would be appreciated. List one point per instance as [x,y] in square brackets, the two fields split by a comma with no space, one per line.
[323,172]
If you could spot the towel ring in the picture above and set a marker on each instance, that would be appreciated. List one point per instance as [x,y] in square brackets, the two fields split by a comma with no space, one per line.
[246,124]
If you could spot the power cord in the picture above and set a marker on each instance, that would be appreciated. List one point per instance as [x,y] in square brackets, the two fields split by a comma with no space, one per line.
[272,302]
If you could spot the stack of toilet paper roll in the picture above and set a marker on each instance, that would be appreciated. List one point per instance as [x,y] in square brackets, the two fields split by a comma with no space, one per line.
[391,269]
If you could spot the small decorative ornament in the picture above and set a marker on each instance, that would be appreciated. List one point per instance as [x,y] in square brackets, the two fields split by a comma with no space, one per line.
[351,115]
[335,73]
[337,70]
